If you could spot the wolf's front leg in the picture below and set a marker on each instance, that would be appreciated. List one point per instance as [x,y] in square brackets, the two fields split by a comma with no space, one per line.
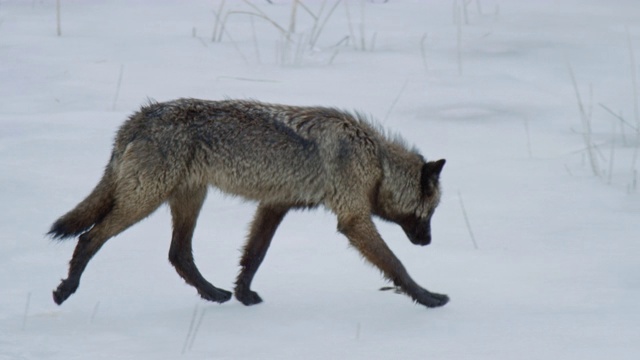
[264,226]
[362,234]
[185,206]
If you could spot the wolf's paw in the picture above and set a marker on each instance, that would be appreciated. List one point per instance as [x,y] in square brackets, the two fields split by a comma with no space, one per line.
[64,290]
[216,295]
[431,300]
[248,297]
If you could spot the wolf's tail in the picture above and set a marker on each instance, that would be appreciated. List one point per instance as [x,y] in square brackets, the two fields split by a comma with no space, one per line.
[89,211]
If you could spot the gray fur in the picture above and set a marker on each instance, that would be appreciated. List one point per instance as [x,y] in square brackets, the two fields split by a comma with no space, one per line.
[284,157]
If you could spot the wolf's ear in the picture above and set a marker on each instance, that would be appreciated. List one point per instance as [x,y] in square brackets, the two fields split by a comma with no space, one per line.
[432,169]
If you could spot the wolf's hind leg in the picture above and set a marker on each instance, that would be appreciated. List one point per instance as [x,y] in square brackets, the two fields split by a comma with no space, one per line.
[263,227]
[185,206]
[363,235]
[119,219]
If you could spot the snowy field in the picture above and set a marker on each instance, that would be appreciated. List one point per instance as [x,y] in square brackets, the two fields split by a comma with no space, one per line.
[536,240]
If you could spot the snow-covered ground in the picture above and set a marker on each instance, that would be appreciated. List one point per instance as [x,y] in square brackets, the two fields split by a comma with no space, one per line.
[555,274]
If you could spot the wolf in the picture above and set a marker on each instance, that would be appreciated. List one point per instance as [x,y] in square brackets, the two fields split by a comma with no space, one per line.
[282,157]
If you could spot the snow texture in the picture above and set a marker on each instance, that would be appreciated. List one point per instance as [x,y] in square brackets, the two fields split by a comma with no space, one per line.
[549,194]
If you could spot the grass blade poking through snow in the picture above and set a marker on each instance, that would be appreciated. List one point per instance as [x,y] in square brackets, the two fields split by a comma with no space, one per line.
[197,328]
[216,25]
[586,125]
[423,52]
[395,101]
[316,31]
[190,331]
[26,311]
[458,19]
[58,28]
[636,114]
[94,313]
[467,222]
[292,21]
[115,98]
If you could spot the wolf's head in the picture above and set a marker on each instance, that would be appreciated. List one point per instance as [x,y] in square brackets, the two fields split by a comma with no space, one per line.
[408,196]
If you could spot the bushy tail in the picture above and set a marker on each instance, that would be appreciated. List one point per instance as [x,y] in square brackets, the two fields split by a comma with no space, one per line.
[88,212]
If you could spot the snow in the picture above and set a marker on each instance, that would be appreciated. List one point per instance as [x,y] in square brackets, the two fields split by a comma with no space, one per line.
[554,274]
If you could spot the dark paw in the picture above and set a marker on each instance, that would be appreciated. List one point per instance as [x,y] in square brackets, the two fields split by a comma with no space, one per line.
[215,295]
[431,300]
[248,297]
[64,290]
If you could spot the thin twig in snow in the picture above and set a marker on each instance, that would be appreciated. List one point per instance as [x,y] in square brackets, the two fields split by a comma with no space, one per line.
[292,21]
[264,15]
[465,12]
[261,15]
[622,120]
[310,12]
[26,311]
[636,112]
[459,39]
[197,328]
[94,312]
[58,27]
[372,46]
[423,52]
[190,331]
[352,35]
[255,40]
[362,29]
[324,23]
[612,153]
[586,124]
[315,32]
[566,167]
[466,220]
[235,45]
[333,56]
[634,79]
[115,98]
[395,101]
[526,128]
[216,25]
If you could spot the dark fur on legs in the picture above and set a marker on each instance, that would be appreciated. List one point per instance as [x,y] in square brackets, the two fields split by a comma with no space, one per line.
[265,223]
[185,206]
[363,236]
